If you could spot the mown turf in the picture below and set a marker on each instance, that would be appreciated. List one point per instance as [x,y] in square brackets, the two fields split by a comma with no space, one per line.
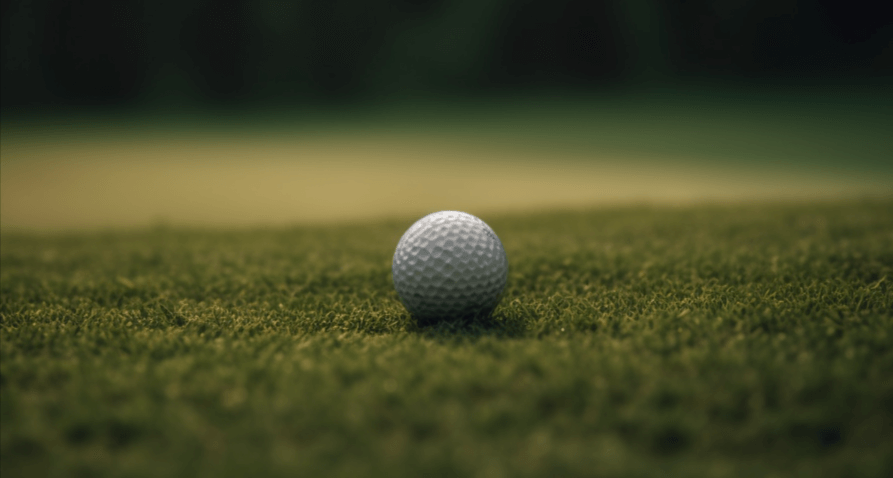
[742,340]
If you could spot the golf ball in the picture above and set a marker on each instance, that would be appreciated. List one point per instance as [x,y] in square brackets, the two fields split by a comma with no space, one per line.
[449,264]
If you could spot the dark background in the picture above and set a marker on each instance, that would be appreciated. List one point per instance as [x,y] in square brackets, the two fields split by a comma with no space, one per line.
[66,53]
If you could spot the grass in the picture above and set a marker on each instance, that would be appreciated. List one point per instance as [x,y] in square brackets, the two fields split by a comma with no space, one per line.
[736,340]
[132,169]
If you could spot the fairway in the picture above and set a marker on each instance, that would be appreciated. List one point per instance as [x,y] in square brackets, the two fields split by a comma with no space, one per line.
[122,171]
[749,339]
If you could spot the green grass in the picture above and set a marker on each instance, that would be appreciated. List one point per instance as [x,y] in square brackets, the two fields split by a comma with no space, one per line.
[739,340]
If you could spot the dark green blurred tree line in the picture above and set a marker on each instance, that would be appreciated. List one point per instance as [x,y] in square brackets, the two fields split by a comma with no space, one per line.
[74,52]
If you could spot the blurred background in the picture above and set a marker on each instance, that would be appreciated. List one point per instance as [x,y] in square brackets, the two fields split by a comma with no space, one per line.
[248,112]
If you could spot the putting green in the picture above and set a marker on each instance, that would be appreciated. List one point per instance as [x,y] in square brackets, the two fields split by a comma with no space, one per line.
[697,341]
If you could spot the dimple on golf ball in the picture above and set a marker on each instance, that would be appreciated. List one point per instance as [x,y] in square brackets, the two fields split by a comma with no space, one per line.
[449,264]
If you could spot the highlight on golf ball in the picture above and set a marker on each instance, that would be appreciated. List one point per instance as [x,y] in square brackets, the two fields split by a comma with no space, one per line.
[449,265]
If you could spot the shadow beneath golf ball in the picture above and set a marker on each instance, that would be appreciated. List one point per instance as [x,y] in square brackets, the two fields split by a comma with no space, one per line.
[481,325]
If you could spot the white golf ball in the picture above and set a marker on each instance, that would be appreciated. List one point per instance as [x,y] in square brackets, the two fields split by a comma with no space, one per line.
[449,264]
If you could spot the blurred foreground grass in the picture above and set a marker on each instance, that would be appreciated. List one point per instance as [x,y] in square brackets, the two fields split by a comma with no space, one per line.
[742,340]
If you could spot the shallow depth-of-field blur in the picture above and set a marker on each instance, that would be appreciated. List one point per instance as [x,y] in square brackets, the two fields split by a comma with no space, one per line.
[736,340]
[200,200]
[263,168]
[699,286]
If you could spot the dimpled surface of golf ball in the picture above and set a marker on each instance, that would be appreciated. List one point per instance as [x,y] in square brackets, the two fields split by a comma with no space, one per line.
[449,264]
